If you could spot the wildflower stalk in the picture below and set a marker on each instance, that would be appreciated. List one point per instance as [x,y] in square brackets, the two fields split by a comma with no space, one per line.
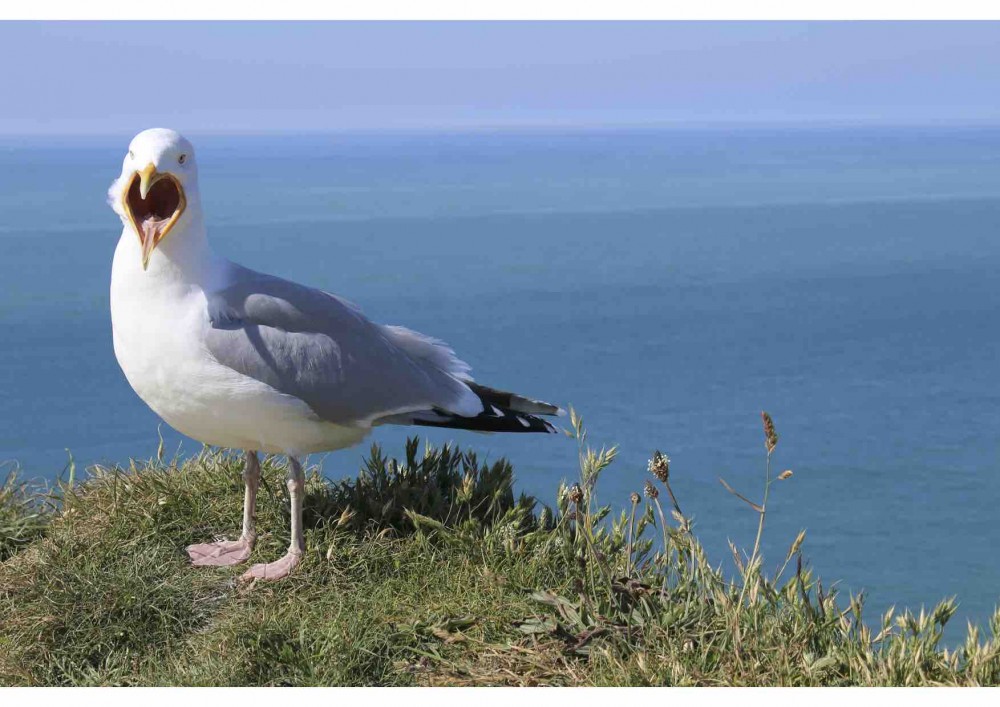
[673,499]
[663,524]
[762,513]
[631,529]
[659,467]
[770,443]
[591,464]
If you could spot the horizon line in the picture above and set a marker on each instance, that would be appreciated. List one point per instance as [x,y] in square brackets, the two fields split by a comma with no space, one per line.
[845,123]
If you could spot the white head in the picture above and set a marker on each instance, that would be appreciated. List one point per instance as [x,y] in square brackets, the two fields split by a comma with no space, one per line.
[157,186]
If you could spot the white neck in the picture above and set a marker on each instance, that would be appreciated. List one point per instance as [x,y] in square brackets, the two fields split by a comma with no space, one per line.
[184,256]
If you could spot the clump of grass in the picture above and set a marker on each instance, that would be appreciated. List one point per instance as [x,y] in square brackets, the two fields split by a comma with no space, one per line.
[665,615]
[443,485]
[429,570]
[21,519]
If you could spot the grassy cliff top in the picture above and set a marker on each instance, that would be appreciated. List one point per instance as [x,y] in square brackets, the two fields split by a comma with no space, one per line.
[425,571]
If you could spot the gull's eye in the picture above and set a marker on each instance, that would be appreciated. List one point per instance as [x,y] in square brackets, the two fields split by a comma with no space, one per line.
[182,159]
[131,155]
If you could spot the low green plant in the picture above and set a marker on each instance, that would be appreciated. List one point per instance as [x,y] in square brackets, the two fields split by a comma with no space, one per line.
[662,614]
[428,570]
[21,519]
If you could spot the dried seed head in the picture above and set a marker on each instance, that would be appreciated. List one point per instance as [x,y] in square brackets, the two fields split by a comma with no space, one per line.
[465,491]
[659,466]
[345,517]
[651,491]
[634,498]
[784,475]
[770,436]
[576,494]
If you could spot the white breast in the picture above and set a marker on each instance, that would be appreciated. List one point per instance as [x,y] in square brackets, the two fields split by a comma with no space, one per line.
[158,323]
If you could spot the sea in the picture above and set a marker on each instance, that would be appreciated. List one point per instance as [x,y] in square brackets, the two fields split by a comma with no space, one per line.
[668,284]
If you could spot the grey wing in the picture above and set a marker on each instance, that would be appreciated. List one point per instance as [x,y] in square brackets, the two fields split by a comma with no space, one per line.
[318,348]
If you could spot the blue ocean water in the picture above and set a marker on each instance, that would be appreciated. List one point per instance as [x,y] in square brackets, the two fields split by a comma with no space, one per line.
[668,284]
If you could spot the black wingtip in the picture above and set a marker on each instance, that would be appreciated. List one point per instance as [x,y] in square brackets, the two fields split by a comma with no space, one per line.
[502,412]
[513,401]
[492,419]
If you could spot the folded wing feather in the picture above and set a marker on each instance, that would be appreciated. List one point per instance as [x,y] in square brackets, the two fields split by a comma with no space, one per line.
[321,349]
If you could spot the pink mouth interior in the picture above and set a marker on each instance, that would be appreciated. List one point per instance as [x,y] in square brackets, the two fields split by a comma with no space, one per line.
[153,213]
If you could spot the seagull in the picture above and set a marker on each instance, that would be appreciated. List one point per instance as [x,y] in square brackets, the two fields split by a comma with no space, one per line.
[243,360]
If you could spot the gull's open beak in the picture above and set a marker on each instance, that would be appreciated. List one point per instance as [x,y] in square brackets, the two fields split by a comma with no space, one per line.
[146,175]
[153,202]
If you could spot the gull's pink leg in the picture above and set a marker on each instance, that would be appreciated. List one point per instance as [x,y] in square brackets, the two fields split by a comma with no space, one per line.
[296,483]
[232,552]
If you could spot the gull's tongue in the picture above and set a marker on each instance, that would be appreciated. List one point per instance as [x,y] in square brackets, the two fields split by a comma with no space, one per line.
[152,229]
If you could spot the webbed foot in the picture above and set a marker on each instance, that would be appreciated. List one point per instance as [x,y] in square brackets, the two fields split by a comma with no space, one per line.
[273,570]
[220,554]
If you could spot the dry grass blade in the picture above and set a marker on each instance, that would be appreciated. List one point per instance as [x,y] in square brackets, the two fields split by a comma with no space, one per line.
[740,496]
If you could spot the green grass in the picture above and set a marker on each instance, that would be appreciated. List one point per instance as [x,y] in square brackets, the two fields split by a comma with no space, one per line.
[21,521]
[427,571]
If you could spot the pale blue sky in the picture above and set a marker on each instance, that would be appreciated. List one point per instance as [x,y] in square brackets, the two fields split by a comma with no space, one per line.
[121,77]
